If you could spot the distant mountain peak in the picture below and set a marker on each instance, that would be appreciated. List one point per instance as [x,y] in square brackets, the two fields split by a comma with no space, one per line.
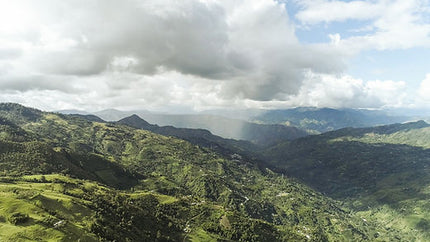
[89,117]
[416,125]
[135,117]
[135,121]
[420,122]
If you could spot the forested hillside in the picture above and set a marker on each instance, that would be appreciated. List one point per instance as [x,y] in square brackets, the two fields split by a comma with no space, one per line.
[383,171]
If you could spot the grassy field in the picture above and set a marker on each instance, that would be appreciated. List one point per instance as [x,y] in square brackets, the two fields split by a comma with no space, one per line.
[52,216]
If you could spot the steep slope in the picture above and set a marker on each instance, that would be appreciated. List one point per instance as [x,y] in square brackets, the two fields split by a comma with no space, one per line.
[320,120]
[43,143]
[382,171]
[59,208]
[183,192]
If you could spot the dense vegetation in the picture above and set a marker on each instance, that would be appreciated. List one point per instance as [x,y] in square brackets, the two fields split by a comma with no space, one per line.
[382,171]
[67,178]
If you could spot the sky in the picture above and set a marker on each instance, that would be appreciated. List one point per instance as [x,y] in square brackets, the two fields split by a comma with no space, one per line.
[194,55]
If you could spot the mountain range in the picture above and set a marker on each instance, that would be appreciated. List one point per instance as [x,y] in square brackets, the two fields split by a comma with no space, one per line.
[252,124]
[229,128]
[320,120]
[77,177]
[67,178]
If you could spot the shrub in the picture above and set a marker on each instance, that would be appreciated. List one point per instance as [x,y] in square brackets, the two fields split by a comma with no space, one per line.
[18,218]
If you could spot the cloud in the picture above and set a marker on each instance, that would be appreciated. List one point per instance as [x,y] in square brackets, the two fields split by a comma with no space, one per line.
[43,99]
[24,83]
[6,53]
[424,91]
[328,11]
[390,25]
[339,91]
[243,49]
[191,53]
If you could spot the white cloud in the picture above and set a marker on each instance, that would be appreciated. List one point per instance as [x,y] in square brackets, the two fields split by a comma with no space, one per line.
[316,11]
[390,93]
[200,54]
[334,38]
[234,49]
[322,90]
[424,91]
[176,90]
[399,24]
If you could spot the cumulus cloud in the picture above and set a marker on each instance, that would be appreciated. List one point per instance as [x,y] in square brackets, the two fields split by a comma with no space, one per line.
[28,82]
[424,91]
[191,53]
[399,24]
[339,91]
[240,49]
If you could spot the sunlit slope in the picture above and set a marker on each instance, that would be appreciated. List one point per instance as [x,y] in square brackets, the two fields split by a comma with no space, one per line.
[59,208]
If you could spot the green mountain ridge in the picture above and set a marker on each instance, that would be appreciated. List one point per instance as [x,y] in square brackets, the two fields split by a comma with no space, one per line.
[65,178]
[382,171]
